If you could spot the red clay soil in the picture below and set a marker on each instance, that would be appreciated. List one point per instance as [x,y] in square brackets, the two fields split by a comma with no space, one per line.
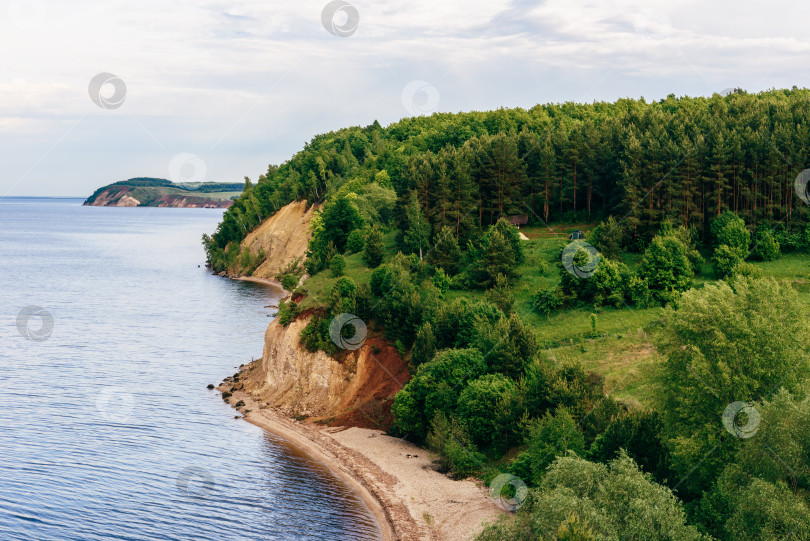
[370,405]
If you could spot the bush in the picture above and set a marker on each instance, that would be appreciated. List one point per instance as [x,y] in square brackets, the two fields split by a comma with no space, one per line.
[765,246]
[725,259]
[548,438]
[639,292]
[441,281]
[289,282]
[486,407]
[547,300]
[734,234]
[666,269]
[337,265]
[450,441]
[355,242]
[374,251]
[287,312]
[501,294]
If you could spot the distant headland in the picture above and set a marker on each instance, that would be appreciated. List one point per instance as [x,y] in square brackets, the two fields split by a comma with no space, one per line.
[157,192]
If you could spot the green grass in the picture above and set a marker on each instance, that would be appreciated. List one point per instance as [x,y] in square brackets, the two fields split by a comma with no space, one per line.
[623,353]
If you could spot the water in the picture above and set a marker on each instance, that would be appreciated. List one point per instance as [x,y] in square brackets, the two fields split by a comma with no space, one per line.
[107,430]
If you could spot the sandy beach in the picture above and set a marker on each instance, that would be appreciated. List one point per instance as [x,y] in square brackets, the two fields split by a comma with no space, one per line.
[396,479]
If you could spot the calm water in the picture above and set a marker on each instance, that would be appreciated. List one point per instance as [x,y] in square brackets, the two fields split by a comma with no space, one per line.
[107,430]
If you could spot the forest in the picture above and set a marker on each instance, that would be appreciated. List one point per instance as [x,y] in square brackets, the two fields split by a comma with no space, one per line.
[694,261]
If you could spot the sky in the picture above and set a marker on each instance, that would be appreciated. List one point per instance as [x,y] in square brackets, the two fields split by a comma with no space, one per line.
[92,92]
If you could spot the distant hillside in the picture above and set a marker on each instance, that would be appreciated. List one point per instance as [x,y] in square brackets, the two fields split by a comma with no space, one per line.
[157,192]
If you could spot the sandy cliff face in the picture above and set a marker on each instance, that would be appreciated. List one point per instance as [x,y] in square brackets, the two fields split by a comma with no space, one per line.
[300,383]
[284,238]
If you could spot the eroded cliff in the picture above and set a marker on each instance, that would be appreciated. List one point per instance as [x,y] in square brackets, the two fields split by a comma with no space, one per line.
[283,237]
[354,389]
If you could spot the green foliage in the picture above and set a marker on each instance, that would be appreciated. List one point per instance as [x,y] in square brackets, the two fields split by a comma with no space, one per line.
[337,265]
[725,260]
[616,501]
[732,232]
[551,436]
[666,269]
[343,298]
[424,347]
[547,300]
[287,312]
[607,237]
[315,336]
[434,388]
[441,281]
[765,246]
[416,229]
[446,253]
[486,407]
[638,433]
[289,282]
[500,253]
[501,294]
[723,346]
[457,455]
[355,242]
[761,494]
[339,219]
[374,251]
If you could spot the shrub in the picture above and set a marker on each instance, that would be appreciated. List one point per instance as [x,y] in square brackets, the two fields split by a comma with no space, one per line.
[734,234]
[725,259]
[355,242]
[765,246]
[240,404]
[639,292]
[441,281]
[289,282]
[666,268]
[548,437]
[337,265]
[501,294]
[287,312]
[448,439]
[374,251]
[486,408]
[548,300]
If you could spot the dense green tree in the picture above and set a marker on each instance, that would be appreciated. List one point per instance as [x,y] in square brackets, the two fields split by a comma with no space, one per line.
[435,388]
[374,251]
[339,219]
[425,345]
[548,437]
[446,253]
[486,408]
[607,237]
[666,269]
[724,346]
[416,228]
[616,501]
[355,242]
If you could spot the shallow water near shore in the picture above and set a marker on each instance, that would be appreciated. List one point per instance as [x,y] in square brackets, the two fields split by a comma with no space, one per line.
[107,430]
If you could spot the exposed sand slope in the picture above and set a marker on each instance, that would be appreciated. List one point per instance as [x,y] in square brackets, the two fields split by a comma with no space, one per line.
[299,382]
[283,236]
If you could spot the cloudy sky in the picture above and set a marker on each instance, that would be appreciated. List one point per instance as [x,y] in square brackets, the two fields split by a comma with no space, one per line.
[243,84]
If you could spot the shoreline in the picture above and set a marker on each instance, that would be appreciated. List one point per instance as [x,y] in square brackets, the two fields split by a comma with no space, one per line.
[265,281]
[395,479]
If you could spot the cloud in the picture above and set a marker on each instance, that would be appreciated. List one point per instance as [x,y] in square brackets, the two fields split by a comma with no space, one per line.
[246,83]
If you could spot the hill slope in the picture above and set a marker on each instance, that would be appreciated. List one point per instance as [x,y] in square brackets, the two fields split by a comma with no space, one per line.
[152,192]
